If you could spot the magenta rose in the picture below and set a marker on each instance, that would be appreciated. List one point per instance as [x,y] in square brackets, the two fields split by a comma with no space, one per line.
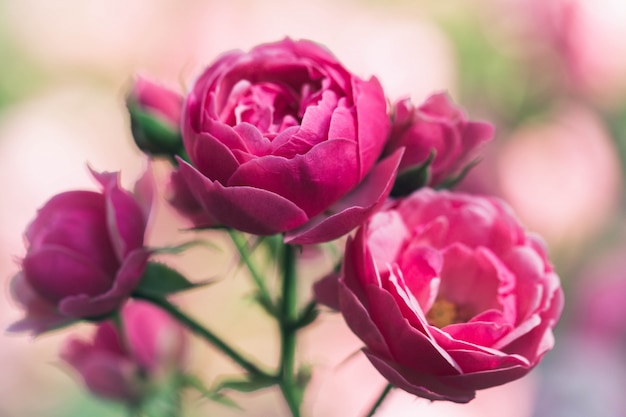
[155,113]
[284,139]
[440,127]
[121,365]
[448,293]
[85,256]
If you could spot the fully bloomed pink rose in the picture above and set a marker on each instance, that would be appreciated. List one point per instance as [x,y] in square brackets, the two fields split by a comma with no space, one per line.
[436,126]
[284,139]
[85,256]
[448,293]
[118,365]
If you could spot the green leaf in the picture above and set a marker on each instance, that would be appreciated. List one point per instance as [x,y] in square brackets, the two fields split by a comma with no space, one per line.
[250,384]
[152,134]
[194,382]
[453,181]
[175,250]
[307,315]
[413,178]
[160,280]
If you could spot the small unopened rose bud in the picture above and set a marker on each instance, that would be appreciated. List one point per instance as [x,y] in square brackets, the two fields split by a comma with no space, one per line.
[155,118]
[440,143]
[124,365]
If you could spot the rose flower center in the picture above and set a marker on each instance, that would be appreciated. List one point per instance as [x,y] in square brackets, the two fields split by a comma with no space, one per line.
[444,312]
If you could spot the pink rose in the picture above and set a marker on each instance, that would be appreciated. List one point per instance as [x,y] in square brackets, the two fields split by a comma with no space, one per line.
[158,100]
[85,256]
[118,366]
[448,293]
[285,139]
[436,126]
[155,114]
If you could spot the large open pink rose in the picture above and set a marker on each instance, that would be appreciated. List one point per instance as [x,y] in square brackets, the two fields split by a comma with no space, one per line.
[85,256]
[284,139]
[448,293]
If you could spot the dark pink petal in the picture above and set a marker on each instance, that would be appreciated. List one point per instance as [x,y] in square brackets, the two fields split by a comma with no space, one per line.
[358,269]
[247,209]
[358,319]
[126,281]
[105,374]
[157,99]
[144,191]
[107,339]
[423,385]
[314,127]
[154,339]
[353,209]
[372,123]
[55,273]
[312,181]
[476,134]
[488,377]
[408,346]
[180,197]
[326,291]
[125,220]
[75,220]
[41,315]
[212,157]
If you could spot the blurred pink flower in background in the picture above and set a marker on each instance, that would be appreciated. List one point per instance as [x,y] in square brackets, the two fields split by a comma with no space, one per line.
[562,177]
[121,364]
[586,37]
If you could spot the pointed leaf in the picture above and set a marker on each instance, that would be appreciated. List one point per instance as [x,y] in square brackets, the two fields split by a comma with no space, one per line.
[250,384]
[413,178]
[194,382]
[160,280]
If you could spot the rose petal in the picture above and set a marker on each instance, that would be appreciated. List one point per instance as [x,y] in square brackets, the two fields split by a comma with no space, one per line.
[422,385]
[312,181]
[351,210]
[247,209]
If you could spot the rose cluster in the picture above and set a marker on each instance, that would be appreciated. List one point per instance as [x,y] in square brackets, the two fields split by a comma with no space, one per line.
[447,291]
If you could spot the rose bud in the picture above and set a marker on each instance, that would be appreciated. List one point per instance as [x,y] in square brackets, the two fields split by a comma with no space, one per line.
[284,139]
[122,365]
[155,113]
[448,293]
[85,255]
[439,142]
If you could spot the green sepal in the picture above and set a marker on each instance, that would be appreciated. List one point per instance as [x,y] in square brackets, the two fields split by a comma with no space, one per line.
[159,280]
[413,178]
[266,304]
[308,315]
[451,182]
[250,384]
[152,134]
[191,381]
[177,249]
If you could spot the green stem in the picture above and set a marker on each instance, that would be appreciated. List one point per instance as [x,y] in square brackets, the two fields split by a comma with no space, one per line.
[207,335]
[288,316]
[244,252]
[379,400]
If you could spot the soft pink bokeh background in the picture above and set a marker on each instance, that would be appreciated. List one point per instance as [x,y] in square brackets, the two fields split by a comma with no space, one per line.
[560,174]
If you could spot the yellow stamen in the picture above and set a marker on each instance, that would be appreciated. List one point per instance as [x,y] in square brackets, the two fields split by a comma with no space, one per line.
[442,313]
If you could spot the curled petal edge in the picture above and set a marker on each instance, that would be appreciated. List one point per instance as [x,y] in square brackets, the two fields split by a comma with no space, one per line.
[353,209]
